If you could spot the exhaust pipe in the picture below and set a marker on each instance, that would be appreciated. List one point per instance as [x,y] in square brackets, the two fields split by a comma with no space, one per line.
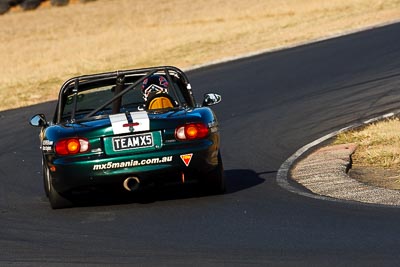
[131,184]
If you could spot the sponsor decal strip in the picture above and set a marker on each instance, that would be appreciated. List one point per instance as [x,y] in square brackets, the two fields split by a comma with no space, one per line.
[141,121]
[120,124]
[131,163]
[117,123]
[47,145]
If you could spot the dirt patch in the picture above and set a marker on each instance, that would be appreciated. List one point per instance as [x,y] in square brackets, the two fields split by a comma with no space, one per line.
[325,172]
[375,176]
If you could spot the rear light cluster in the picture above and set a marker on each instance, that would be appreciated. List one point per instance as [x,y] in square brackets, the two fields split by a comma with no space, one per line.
[191,131]
[71,146]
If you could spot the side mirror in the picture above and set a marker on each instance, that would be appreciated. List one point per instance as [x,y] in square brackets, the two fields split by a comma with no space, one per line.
[211,99]
[38,120]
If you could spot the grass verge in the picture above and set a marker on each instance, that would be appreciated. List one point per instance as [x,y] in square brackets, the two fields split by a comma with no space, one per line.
[42,48]
[376,160]
[378,144]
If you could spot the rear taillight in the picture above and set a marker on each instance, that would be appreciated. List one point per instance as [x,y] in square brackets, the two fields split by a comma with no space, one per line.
[191,131]
[71,146]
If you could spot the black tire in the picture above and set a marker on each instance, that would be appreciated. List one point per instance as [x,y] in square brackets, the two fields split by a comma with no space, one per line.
[57,201]
[4,6]
[30,4]
[13,2]
[214,181]
[59,2]
[46,180]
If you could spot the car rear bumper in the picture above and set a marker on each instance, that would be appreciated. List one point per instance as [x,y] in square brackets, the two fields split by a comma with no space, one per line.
[148,167]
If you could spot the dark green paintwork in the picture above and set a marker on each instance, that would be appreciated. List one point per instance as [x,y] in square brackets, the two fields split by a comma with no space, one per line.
[83,109]
[78,170]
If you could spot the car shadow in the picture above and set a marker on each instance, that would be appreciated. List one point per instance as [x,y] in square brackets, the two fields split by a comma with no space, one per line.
[236,180]
[242,179]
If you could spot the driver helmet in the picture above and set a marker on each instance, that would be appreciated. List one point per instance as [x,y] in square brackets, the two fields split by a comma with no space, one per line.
[154,84]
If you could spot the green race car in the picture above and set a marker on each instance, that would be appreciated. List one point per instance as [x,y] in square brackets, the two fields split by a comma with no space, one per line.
[129,128]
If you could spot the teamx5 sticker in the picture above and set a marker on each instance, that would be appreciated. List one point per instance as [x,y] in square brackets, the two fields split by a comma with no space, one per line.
[186,158]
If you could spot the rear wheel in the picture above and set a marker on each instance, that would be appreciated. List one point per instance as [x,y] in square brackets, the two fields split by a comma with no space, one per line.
[30,4]
[4,6]
[46,180]
[59,2]
[214,181]
[57,201]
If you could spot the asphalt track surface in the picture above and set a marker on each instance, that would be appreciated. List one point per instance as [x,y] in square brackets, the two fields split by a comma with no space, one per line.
[272,105]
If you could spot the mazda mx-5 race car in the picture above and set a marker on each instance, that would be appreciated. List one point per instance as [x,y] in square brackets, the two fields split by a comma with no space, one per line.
[129,128]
